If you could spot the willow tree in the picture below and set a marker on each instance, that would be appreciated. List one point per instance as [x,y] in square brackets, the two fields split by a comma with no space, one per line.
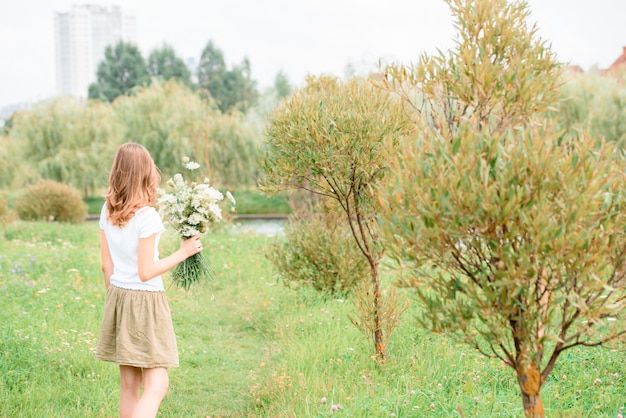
[14,173]
[595,103]
[68,141]
[174,122]
[327,139]
[167,118]
[514,234]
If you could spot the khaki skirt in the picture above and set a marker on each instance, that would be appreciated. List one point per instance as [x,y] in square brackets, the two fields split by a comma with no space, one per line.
[137,329]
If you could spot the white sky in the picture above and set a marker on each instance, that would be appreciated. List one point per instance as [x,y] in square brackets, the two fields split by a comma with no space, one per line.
[299,37]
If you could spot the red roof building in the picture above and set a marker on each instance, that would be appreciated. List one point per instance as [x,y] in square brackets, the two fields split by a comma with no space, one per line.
[619,66]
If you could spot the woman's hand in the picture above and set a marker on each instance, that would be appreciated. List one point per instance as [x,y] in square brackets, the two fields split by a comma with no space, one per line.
[191,246]
[149,268]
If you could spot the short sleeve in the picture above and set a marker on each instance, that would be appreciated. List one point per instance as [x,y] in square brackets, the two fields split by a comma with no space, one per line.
[103,216]
[148,222]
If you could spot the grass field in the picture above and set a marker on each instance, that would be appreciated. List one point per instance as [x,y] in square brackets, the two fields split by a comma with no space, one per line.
[250,347]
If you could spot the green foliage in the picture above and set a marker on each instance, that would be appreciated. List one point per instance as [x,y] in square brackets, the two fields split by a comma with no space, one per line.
[68,141]
[14,172]
[173,122]
[327,139]
[231,89]
[4,205]
[596,104]
[231,151]
[168,119]
[513,233]
[282,86]
[319,251]
[6,215]
[122,69]
[164,64]
[51,201]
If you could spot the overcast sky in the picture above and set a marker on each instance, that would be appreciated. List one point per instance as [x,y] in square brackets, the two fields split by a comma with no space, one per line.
[298,37]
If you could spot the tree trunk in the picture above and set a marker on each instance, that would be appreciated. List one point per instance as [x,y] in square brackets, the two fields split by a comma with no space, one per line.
[378,331]
[529,379]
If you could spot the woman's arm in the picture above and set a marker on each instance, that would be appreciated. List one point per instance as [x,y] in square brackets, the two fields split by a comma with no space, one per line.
[149,268]
[106,261]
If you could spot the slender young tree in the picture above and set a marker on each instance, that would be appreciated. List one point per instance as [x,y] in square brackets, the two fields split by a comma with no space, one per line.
[327,139]
[514,233]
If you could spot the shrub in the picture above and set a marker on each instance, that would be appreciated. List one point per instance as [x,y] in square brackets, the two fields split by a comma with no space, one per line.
[4,205]
[51,201]
[6,215]
[319,251]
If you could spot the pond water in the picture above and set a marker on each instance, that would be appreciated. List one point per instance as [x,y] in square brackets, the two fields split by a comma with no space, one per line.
[269,227]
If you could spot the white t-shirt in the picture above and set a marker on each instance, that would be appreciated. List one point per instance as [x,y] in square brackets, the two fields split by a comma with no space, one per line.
[123,243]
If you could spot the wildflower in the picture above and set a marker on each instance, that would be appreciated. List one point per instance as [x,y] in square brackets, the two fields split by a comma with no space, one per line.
[192,165]
[335,407]
[190,209]
[323,400]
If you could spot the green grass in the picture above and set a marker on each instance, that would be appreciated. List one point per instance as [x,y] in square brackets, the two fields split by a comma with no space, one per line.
[256,203]
[250,347]
[94,204]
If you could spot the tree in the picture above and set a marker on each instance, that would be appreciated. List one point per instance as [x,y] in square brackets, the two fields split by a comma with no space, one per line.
[231,89]
[211,72]
[164,64]
[230,150]
[596,103]
[327,139]
[166,118]
[122,69]
[68,141]
[282,85]
[173,122]
[514,234]
[242,86]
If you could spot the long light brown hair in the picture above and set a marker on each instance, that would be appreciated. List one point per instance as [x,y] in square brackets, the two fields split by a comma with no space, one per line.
[133,183]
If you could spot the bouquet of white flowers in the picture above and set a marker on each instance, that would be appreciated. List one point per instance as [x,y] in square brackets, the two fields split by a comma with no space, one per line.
[190,208]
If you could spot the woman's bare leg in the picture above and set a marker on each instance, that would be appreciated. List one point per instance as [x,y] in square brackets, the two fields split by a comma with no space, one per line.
[130,387]
[155,385]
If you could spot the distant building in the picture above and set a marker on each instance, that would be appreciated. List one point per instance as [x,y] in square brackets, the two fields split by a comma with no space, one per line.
[81,36]
[619,66]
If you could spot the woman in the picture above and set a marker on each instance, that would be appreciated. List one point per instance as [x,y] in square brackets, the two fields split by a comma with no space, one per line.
[137,331]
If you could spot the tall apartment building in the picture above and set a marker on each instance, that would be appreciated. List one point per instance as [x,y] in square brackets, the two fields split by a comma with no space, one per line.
[81,36]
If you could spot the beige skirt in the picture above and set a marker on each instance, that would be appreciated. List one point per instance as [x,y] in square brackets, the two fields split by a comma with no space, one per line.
[137,329]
